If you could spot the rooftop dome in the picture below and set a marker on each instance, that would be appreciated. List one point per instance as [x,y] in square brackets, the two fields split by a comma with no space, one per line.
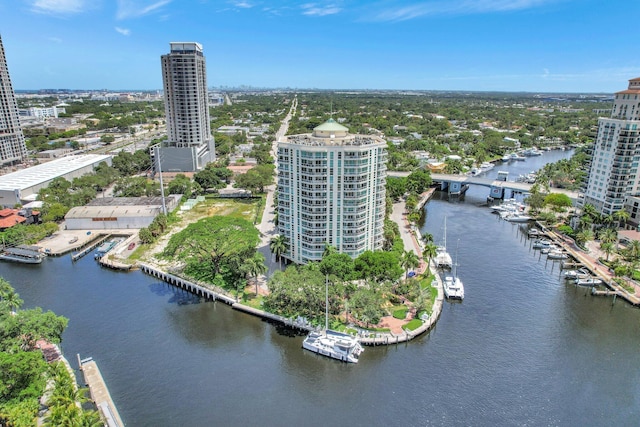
[330,127]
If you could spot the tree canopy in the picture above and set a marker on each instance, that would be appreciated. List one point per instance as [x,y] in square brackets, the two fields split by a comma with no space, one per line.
[214,247]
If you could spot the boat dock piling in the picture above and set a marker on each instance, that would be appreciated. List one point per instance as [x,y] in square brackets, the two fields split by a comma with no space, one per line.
[580,260]
[89,248]
[99,392]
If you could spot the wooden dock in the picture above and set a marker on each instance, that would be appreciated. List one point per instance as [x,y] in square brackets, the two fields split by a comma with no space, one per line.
[92,245]
[100,393]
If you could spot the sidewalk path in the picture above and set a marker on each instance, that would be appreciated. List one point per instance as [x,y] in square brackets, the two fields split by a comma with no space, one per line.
[267,226]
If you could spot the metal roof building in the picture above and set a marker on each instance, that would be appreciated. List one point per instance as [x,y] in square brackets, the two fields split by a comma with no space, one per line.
[118,213]
[23,186]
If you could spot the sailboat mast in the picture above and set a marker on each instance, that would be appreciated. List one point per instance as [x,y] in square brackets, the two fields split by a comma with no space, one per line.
[326,303]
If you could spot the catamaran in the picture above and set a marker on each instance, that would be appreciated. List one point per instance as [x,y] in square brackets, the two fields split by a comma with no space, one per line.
[443,259]
[331,343]
[451,283]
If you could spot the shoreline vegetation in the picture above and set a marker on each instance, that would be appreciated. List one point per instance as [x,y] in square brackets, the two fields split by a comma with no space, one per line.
[384,297]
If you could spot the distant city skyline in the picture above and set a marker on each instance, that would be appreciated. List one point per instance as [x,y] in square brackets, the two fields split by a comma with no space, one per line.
[580,46]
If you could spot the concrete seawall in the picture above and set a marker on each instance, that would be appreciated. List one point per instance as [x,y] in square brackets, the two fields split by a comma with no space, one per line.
[366,339]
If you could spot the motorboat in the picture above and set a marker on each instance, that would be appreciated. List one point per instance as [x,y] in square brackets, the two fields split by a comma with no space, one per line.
[517,217]
[550,248]
[581,273]
[557,254]
[486,166]
[506,158]
[589,282]
[541,244]
[334,344]
[534,232]
[515,156]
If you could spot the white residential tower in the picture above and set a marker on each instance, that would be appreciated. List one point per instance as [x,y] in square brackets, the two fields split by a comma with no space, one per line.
[331,191]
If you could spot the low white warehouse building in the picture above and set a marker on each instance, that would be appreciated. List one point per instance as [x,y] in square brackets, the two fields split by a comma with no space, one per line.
[123,213]
[23,186]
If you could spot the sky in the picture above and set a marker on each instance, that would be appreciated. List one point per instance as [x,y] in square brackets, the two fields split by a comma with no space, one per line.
[578,46]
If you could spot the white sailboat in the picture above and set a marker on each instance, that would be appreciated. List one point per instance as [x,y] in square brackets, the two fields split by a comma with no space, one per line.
[443,259]
[334,344]
[453,287]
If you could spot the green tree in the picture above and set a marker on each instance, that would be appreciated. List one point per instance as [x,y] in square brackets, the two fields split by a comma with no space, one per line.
[396,187]
[409,261]
[558,200]
[210,245]
[430,251]
[279,245]
[337,264]
[378,266]
[607,248]
[254,267]
[622,216]
[419,181]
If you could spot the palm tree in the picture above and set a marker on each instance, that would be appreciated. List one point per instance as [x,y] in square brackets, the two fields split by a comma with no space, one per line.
[409,260]
[584,236]
[427,238]
[429,252]
[279,245]
[12,299]
[633,250]
[254,267]
[608,235]
[622,216]
[590,211]
[607,248]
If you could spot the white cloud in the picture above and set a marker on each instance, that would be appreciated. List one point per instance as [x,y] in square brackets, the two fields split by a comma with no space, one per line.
[59,7]
[123,31]
[311,9]
[455,7]
[55,39]
[242,4]
[136,8]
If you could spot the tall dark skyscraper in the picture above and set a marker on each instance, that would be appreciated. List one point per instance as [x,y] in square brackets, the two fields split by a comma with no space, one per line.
[12,145]
[190,144]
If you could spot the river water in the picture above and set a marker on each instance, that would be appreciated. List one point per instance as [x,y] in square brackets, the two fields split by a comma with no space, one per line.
[522,349]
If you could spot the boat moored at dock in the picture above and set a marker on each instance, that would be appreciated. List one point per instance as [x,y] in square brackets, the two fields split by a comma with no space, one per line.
[336,345]
[23,254]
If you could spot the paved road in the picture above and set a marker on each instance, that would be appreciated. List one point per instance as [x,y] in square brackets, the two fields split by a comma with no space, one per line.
[267,226]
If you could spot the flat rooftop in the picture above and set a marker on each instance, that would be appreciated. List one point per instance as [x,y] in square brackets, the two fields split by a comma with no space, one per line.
[39,174]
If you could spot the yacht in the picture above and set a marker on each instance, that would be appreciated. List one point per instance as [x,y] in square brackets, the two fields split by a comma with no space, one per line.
[451,283]
[506,158]
[515,156]
[453,287]
[334,344]
[443,259]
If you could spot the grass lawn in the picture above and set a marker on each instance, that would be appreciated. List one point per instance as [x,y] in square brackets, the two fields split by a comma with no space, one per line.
[413,325]
[248,209]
